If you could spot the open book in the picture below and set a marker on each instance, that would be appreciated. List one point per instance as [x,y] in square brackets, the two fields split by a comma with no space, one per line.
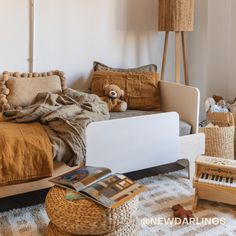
[98,184]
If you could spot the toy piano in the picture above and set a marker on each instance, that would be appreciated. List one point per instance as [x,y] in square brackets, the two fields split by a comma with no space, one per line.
[215,180]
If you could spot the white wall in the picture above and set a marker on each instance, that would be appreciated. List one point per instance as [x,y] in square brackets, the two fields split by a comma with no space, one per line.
[14,43]
[231,86]
[197,42]
[212,49]
[219,22]
[71,34]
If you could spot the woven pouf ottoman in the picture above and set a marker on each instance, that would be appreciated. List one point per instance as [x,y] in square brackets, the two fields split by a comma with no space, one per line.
[129,229]
[85,217]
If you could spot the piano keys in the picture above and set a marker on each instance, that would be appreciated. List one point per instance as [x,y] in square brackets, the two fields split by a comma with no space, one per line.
[215,179]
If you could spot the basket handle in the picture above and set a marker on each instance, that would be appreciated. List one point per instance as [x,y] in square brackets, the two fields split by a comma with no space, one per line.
[221,117]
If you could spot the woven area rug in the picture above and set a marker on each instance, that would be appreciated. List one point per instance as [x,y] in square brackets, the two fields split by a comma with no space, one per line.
[163,191]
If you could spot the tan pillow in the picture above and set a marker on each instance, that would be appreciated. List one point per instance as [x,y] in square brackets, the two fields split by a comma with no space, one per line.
[141,88]
[19,90]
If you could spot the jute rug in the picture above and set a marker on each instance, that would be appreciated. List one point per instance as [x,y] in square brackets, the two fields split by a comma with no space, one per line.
[163,191]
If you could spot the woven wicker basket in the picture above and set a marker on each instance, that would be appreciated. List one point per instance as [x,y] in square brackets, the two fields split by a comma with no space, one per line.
[220,140]
[85,216]
[126,230]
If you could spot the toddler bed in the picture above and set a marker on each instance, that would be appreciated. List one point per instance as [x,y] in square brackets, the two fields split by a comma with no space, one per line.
[166,145]
[150,138]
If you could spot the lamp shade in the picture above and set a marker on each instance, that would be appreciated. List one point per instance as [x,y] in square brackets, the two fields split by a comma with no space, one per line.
[176,15]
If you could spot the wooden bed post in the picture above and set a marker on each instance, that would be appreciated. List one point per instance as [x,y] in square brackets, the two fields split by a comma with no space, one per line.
[31,35]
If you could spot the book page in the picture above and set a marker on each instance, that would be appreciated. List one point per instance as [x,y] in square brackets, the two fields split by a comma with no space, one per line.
[113,190]
[78,178]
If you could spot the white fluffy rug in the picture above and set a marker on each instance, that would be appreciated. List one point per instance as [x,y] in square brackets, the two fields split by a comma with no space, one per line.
[163,191]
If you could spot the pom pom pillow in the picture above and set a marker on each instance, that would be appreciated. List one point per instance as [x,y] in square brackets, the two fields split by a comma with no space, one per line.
[19,90]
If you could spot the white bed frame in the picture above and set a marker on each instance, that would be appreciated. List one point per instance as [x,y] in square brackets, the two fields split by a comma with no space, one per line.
[133,143]
[136,143]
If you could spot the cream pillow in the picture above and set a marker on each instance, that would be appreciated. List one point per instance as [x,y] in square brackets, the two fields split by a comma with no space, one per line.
[19,90]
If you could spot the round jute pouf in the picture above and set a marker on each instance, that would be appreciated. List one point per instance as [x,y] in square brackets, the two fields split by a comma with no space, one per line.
[85,216]
[125,230]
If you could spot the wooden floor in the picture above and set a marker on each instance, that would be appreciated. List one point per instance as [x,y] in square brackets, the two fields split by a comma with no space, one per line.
[36,197]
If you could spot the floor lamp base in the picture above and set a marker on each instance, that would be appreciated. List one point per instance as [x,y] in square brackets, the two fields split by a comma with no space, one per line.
[177,57]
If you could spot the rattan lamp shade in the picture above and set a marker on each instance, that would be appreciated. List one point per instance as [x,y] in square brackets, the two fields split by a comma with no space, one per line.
[176,15]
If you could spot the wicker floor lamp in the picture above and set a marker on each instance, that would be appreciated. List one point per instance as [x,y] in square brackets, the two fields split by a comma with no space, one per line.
[177,16]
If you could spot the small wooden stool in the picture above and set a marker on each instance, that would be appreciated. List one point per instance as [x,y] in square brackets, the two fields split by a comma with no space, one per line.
[126,230]
[84,216]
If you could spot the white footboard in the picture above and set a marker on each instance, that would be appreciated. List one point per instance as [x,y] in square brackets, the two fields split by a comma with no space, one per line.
[182,99]
[134,143]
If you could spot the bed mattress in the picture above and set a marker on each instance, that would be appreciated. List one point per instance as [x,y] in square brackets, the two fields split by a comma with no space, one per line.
[184,127]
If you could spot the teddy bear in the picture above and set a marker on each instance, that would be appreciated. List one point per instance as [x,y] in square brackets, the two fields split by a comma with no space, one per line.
[217,98]
[181,213]
[113,97]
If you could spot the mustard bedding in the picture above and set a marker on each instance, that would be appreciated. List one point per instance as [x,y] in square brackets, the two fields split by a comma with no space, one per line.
[28,148]
[25,152]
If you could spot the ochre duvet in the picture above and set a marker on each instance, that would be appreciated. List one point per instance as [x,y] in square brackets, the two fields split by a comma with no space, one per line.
[25,152]
[51,128]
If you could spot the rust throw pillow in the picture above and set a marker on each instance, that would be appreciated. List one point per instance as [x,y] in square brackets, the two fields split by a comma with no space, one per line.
[141,88]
